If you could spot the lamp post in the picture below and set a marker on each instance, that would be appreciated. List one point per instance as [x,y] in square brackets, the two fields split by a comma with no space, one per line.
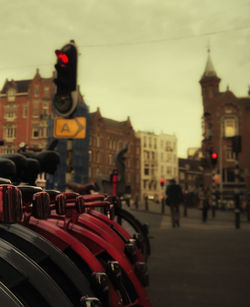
[237,195]
[162,196]
[221,162]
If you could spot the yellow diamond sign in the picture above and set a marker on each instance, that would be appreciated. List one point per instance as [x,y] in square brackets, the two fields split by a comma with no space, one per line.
[73,128]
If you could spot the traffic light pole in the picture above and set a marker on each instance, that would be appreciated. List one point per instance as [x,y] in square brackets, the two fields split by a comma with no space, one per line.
[237,195]
[213,193]
[162,201]
[221,163]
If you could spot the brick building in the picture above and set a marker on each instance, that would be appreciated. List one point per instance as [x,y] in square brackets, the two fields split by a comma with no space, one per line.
[107,137]
[26,106]
[24,109]
[225,116]
[190,178]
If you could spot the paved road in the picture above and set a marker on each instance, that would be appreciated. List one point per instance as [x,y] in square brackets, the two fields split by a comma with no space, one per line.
[198,265]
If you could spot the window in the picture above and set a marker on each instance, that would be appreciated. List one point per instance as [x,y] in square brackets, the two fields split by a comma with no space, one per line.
[169,157]
[10,131]
[35,108]
[11,94]
[45,110]
[146,155]
[43,131]
[230,155]
[169,171]
[210,92]
[10,111]
[152,170]
[230,126]
[25,110]
[98,141]
[46,91]
[90,155]
[35,132]
[146,170]
[110,159]
[150,142]
[36,90]
[155,143]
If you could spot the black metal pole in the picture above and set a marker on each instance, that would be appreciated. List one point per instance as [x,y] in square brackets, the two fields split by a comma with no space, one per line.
[162,205]
[146,203]
[237,211]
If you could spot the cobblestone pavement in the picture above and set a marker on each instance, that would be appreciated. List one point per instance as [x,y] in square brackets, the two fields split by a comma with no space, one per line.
[198,264]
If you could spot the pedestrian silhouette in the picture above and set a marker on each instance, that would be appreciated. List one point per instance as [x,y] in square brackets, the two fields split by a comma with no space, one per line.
[204,201]
[174,199]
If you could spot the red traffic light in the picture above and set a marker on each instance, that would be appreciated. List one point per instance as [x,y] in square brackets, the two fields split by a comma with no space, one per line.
[162,182]
[214,155]
[62,57]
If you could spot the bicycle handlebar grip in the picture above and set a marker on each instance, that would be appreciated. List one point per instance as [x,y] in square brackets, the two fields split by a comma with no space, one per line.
[53,194]
[62,199]
[28,191]
[81,204]
[10,204]
[93,197]
[41,205]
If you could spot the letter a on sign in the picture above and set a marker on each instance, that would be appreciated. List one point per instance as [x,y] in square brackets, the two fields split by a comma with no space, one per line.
[74,128]
[65,128]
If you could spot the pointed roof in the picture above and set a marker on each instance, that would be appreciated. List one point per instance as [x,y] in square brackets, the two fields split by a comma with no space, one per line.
[209,69]
[22,86]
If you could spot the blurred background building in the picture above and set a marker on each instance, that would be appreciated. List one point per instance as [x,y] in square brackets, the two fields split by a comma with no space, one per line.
[226,130]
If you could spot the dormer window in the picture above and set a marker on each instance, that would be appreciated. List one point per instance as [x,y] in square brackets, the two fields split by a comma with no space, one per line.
[11,94]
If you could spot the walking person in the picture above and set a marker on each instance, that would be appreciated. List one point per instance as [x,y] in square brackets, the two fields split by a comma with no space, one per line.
[174,199]
[204,199]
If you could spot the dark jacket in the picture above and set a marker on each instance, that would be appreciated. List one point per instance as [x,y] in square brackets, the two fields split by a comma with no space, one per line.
[174,194]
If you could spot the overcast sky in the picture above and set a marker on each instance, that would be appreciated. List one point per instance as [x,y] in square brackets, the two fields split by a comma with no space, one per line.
[138,58]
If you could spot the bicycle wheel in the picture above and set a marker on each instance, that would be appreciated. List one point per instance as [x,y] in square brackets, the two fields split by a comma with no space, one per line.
[135,228]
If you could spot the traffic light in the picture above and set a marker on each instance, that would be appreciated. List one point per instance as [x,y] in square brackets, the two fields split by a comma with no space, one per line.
[65,99]
[162,182]
[213,158]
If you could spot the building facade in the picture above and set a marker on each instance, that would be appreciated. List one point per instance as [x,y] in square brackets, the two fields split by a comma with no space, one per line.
[167,157]
[107,138]
[190,179]
[225,116]
[25,106]
[158,157]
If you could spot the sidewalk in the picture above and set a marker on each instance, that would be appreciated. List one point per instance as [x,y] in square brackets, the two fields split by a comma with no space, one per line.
[194,215]
[199,264]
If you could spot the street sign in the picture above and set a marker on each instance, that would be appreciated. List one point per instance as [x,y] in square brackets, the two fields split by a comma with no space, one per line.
[74,128]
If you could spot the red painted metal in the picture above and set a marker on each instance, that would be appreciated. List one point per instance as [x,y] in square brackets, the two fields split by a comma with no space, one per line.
[97,246]
[62,239]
